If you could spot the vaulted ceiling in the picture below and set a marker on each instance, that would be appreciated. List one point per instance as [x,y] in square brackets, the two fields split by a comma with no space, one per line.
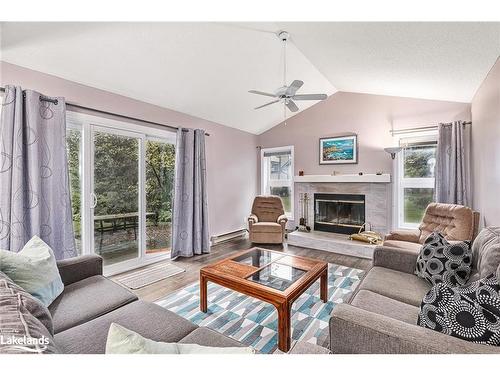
[206,69]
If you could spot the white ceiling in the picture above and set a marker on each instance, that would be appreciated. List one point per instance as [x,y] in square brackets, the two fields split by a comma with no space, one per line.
[202,69]
[206,69]
[441,61]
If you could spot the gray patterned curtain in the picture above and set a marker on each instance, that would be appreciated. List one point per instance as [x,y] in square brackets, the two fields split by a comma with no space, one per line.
[453,183]
[34,182]
[190,234]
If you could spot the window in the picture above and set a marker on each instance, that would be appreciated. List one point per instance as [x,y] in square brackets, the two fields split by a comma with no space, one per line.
[121,181]
[277,175]
[415,173]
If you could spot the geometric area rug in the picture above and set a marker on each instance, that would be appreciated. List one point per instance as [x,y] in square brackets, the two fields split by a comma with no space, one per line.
[253,322]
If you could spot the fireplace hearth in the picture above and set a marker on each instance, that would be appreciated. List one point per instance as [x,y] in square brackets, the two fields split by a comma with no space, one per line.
[339,213]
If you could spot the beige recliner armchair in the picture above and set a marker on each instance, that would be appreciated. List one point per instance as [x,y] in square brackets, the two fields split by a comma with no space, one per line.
[267,222]
[455,222]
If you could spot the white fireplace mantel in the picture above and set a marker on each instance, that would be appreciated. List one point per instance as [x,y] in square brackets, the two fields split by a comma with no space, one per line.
[366,178]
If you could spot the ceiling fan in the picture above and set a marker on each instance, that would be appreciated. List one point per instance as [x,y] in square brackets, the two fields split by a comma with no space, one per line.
[287,94]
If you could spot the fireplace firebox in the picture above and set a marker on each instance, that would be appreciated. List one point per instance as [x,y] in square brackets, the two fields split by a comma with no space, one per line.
[339,213]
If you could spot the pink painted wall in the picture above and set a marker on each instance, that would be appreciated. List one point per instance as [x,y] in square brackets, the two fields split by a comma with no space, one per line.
[231,153]
[486,147]
[370,116]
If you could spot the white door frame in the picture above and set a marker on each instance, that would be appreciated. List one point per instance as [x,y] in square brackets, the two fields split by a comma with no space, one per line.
[89,124]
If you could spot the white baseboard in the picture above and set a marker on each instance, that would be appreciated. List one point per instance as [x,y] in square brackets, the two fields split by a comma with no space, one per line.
[240,233]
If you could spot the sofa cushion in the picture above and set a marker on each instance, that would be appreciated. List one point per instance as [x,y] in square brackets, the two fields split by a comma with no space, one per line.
[386,306]
[266,227]
[147,319]
[456,222]
[439,261]
[124,341]
[486,251]
[403,287]
[34,306]
[470,313]
[403,244]
[87,299]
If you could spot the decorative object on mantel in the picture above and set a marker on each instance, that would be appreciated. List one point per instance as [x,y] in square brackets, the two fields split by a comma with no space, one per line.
[360,173]
[369,236]
[338,150]
[301,173]
[304,213]
[393,151]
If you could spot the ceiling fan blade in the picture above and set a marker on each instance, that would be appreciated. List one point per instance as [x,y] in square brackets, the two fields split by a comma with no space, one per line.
[292,106]
[261,93]
[294,86]
[310,97]
[265,105]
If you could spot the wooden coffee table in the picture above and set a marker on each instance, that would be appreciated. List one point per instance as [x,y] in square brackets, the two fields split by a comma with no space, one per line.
[270,276]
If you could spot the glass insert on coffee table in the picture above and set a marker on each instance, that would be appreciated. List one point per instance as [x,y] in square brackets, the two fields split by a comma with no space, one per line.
[271,276]
[277,276]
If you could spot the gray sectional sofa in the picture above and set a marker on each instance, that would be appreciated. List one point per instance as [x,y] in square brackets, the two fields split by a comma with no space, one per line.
[381,316]
[78,321]
[90,302]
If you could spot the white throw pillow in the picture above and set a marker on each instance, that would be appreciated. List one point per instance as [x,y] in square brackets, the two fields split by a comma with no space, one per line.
[124,341]
[34,269]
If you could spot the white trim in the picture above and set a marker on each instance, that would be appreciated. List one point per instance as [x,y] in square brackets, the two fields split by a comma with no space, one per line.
[383,178]
[400,182]
[131,264]
[89,124]
[290,215]
[123,125]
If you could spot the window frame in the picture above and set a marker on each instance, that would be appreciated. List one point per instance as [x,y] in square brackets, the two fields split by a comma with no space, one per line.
[290,183]
[403,183]
[88,125]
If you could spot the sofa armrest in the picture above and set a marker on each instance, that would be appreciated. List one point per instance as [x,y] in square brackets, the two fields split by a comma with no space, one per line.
[354,330]
[404,235]
[79,268]
[399,259]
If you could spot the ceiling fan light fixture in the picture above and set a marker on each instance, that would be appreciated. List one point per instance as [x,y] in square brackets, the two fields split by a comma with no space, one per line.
[287,94]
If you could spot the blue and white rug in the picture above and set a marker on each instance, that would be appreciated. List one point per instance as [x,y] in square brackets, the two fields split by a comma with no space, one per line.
[255,323]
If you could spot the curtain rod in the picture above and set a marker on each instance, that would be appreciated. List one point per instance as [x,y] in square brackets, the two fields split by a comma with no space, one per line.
[55,101]
[421,128]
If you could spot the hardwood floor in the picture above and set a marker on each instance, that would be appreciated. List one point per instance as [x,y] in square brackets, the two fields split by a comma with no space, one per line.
[192,265]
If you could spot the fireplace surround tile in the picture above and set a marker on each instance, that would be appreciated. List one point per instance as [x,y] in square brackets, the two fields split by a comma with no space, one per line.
[377,200]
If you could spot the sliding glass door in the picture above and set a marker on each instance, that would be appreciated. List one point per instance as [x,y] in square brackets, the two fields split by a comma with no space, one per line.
[160,162]
[122,178]
[115,206]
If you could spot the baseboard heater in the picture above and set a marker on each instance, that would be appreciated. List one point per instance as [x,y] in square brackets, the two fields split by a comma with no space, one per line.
[228,236]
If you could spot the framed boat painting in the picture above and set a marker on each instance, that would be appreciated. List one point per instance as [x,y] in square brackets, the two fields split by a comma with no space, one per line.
[338,150]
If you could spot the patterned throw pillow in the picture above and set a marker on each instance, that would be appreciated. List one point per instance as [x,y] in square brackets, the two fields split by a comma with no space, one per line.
[34,269]
[439,261]
[470,313]
[34,306]
[25,324]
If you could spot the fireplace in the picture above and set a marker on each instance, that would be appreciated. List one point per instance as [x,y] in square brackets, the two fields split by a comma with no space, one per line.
[339,213]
